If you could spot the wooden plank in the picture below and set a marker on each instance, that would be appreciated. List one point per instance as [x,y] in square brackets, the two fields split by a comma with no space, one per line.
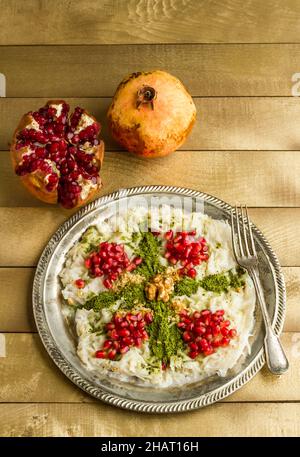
[206,70]
[31,228]
[226,174]
[27,359]
[223,123]
[141,21]
[16,304]
[15,300]
[223,419]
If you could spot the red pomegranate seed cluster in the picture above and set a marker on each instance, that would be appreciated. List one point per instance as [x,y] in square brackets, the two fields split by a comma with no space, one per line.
[123,332]
[110,260]
[184,248]
[205,331]
[58,153]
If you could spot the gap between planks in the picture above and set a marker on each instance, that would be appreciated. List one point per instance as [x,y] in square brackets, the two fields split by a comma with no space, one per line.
[206,70]
[16,302]
[234,419]
[280,226]
[227,175]
[26,358]
[222,123]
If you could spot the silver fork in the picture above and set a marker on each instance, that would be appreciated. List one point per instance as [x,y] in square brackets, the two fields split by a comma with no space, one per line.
[246,256]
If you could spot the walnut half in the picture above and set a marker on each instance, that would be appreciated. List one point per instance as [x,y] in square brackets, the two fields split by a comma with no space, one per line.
[161,286]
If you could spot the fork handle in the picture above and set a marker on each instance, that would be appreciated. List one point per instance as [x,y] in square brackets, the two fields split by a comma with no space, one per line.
[275,356]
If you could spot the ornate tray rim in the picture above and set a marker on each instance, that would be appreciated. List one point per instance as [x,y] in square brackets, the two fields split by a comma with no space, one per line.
[137,405]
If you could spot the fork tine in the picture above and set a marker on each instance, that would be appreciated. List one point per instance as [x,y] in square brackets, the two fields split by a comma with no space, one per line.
[237,216]
[234,245]
[244,231]
[250,232]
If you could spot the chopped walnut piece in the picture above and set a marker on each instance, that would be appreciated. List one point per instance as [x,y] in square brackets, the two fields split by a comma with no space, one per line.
[162,285]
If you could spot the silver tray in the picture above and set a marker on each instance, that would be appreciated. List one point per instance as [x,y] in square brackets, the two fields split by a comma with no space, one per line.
[60,342]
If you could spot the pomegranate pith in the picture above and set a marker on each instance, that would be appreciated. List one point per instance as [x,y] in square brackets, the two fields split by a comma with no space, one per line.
[58,157]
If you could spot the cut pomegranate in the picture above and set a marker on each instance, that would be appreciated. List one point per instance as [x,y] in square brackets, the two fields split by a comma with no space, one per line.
[57,157]
[205,331]
[120,339]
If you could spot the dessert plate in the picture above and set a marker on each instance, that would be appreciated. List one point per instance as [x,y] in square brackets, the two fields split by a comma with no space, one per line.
[60,342]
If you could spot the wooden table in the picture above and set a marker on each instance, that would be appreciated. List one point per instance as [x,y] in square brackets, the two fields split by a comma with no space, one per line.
[237,58]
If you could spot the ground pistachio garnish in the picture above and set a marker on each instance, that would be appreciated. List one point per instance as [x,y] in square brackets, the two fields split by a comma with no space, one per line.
[149,250]
[218,283]
[186,286]
[130,296]
[165,337]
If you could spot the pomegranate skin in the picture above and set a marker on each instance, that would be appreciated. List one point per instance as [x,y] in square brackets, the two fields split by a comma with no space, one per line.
[151,130]
[34,182]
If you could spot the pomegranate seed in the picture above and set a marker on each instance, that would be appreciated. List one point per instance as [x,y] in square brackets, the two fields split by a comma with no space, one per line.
[225,323]
[80,283]
[232,333]
[169,235]
[224,331]
[186,336]
[124,324]
[192,273]
[137,261]
[107,344]
[100,355]
[225,341]
[193,346]
[112,354]
[193,354]
[124,349]
[148,318]
[110,326]
[220,312]
[128,341]
[114,335]
[116,345]
[181,325]
[205,313]
[107,283]
[124,332]
[88,263]
[200,330]
[173,260]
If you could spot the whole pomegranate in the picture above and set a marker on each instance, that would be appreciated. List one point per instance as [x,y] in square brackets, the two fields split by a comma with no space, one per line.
[151,113]
[58,157]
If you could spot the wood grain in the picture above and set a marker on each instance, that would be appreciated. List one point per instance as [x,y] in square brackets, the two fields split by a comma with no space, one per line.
[27,359]
[226,174]
[16,304]
[223,419]
[144,21]
[223,123]
[94,71]
[31,228]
